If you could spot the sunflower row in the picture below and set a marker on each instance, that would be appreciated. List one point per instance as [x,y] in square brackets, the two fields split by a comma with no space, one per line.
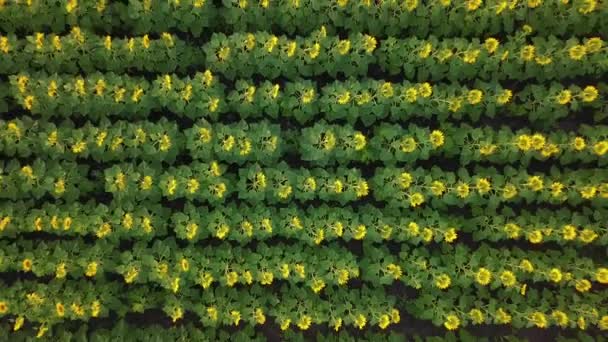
[144,140]
[30,300]
[112,94]
[140,16]
[514,59]
[322,144]
[207,182]
[176,268]
[110,222]
[396,186]
[455,309]
[317,270]
[242,224]
[89,52]
[191,332]
[104,141]
[84,51]
[486,268]
[412,17]
[327,144]
[541,226]
[413,187]
[64,180]
[66,331]
[418,18]
[290,306]
[246,54]
[371,100]
[314,225]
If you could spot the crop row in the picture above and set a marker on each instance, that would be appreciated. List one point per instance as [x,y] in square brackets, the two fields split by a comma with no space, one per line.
[66,331]
[270,56]
[244,55]
[192,332]
[174,269]
[289,306]
[370,101]
[292,307]
[265,142]
[538,309]
[244,224]
[83,50]
[441,17]
[398,187]
[404,187]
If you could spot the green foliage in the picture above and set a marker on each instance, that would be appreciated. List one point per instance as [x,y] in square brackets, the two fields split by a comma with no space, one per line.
[338,170]
[369,100]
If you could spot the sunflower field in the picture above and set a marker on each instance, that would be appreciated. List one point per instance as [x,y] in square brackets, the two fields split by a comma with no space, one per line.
[296,170]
